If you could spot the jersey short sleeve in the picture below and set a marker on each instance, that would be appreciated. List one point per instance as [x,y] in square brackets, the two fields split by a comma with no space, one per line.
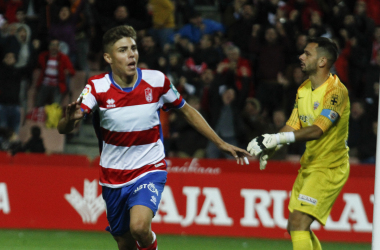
[335,101]
[171,98]
[89,97]
[294,120]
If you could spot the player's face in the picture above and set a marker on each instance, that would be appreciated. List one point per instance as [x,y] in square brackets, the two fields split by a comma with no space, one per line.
[123,57]
[309,59]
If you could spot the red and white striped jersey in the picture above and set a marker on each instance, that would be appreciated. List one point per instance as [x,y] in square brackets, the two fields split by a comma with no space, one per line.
[127,124]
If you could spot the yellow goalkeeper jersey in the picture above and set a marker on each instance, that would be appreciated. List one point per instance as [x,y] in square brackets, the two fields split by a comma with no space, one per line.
[327,107]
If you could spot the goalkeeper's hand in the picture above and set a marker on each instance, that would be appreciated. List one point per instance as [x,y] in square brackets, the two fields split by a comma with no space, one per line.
[269,141]
[261,143]
[266,155]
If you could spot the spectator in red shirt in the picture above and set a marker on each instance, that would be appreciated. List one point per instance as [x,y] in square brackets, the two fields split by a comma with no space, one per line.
[55,66]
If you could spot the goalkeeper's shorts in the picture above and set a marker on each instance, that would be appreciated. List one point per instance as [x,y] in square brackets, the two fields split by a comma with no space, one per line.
[316,189]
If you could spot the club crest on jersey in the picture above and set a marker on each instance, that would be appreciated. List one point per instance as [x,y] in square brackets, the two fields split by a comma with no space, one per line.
[111,103]
[316,105]
[148,95]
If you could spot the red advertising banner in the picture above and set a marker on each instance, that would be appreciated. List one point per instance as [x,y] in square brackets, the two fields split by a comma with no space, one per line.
[201,197]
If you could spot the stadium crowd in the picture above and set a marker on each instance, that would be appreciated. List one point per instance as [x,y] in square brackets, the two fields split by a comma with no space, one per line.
[240,72]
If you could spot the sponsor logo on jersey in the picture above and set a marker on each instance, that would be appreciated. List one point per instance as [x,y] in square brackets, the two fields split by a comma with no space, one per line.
[153,200]
[150,186]
[148,95]
[111,103]
[307,199]
[316,105]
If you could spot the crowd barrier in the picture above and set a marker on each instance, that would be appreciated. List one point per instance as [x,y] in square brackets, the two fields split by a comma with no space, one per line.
[201,197]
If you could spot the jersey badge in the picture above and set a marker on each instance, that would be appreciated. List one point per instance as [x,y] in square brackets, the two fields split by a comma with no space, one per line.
[174,90]
[148,95]
[86,91]
[316,105]
[111,103]
[334,99]
[333,115]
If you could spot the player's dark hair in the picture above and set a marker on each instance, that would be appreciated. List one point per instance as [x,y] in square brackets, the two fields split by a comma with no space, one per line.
[115,34]
[327,46]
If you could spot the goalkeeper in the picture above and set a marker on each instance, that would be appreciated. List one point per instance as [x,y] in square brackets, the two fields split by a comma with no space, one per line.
[320,117]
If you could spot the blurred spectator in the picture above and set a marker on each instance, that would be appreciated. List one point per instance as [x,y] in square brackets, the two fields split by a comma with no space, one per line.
[367,144]
[55,67]
[11,8]
[300,12]
[10,82]
[149,52]
[296,48]
[224,119]
[175,66]
[195,142]
[290,84]
[64,30]
[240,31]
[48,14]
[183,12]
[253,122]
[359,123]
[267,11]
[199,26]
[232,13]
[22,47]
[278,122]
[121,16]
[206,80]
[163,21]
[375,44]
[84,29]
[35,144]
[235,72]
[206,53]
[317,28]
[271,57]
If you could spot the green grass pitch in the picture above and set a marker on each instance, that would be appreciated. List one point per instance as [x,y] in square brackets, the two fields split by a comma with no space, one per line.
[78,240]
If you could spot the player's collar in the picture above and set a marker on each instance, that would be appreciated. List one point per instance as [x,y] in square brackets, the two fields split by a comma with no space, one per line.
[129,89]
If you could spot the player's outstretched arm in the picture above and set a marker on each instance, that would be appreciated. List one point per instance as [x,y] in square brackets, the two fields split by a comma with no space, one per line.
[73,115]
[198,122]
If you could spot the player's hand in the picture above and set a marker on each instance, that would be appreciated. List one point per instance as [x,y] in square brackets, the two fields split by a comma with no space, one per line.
[266,155]
[73,110]
[261,143]
[239,154]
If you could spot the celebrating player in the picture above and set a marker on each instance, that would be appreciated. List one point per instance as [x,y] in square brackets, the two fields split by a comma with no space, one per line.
[125,104]
[320,117]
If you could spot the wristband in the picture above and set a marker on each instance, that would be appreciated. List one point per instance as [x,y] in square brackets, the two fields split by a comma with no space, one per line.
[285,137]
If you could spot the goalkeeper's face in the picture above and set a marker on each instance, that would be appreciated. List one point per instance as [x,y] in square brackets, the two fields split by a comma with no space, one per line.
[309,59]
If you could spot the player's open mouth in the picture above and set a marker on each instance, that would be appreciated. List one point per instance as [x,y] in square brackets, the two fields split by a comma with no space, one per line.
[132,65]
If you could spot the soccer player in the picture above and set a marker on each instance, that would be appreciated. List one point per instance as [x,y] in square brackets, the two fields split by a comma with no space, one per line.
[320,117]
[126,103]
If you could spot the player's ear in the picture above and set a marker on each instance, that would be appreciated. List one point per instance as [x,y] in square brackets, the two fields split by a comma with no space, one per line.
[107,58]
[322,62]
